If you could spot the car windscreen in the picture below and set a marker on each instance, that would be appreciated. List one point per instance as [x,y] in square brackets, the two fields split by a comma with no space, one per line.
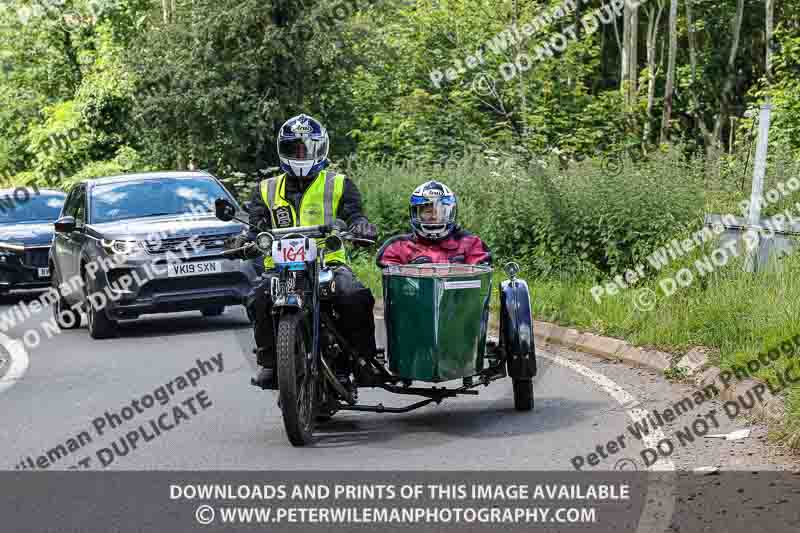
[153,197]
[36,208]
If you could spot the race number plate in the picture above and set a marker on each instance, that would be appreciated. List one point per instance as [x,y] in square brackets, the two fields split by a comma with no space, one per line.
[43,272]
[291,251]
[177,270]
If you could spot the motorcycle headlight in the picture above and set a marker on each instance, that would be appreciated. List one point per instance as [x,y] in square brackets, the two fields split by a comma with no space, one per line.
[264,242]
[123,247]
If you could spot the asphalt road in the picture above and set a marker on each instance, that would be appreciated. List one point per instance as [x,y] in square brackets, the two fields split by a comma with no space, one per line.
[71,380]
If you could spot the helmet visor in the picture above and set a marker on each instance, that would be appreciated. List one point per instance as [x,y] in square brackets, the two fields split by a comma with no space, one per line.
[433,212]
[303,149]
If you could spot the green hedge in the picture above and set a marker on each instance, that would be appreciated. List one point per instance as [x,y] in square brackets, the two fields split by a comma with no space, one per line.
[583,219]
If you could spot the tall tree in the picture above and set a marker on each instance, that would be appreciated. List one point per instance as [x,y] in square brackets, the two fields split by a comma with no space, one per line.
[653,23]
[770,14]
[712,136]
[669,88]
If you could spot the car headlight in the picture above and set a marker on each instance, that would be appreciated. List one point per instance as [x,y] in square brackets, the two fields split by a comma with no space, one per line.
[8,256]
[123,247]
[10,247]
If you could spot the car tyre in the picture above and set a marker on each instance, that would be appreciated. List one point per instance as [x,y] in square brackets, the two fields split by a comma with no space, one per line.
[99,324]
[66,317]
[215,310]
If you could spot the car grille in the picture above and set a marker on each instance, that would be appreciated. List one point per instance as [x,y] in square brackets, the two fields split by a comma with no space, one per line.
[207,243]
[193,283]
[36,257]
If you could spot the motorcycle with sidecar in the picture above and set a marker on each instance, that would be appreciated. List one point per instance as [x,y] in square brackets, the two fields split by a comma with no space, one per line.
[436,318]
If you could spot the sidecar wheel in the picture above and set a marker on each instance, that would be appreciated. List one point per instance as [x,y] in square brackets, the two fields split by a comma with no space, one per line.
[295,382]
[523,394]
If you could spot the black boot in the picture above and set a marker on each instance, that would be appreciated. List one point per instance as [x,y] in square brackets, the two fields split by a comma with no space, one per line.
[367,373]
[267,377]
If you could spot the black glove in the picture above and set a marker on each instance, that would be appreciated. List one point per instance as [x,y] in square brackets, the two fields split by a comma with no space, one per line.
[234,242]
[364,229]
[262,226]
[252,252]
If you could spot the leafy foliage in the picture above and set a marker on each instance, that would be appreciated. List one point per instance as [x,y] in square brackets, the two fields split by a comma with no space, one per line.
[579,220]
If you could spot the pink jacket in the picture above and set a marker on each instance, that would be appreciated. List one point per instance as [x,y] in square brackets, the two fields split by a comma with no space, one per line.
[460,247]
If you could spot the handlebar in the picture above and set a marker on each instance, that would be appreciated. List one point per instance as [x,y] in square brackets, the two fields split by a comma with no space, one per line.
[233,252]
[322,230]
[308,231]
[356,240]
[318,231]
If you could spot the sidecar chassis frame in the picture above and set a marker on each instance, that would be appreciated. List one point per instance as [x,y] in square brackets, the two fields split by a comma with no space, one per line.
[437,394]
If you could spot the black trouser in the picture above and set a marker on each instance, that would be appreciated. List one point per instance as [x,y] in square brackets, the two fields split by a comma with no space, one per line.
[352,301]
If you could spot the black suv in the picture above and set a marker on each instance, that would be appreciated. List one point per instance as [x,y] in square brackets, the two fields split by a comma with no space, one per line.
[140,223]
[26,232]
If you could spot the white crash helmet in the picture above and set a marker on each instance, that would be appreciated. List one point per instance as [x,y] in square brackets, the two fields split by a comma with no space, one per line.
[433,211]
[303,145]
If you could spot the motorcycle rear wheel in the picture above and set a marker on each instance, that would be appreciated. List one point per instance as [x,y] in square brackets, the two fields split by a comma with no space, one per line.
[297,386]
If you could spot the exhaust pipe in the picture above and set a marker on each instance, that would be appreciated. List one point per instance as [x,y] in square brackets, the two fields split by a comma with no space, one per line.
[335,382]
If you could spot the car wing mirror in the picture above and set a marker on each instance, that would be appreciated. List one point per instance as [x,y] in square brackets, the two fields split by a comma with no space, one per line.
[224,210]
[65,225]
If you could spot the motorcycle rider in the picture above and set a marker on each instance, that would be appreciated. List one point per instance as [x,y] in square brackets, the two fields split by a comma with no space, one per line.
[435,237]
[319,197]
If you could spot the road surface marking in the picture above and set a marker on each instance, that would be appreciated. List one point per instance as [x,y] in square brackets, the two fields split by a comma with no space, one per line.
[18,365]
[624,398]
[660,504]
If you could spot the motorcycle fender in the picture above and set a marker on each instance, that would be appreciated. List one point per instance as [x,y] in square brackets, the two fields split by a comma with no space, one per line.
[516,329]
[291,301]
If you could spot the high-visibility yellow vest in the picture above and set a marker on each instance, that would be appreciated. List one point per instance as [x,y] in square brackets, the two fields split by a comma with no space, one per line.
[319,205]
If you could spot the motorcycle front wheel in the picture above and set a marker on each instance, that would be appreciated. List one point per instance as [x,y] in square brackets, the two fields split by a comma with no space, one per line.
[297,386]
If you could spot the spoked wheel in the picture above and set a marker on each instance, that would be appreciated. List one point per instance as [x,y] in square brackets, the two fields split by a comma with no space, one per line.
[523,394]
[296,384]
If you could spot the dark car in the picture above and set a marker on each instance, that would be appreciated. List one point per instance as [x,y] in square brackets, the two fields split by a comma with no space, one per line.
[26,233]
[140,222]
